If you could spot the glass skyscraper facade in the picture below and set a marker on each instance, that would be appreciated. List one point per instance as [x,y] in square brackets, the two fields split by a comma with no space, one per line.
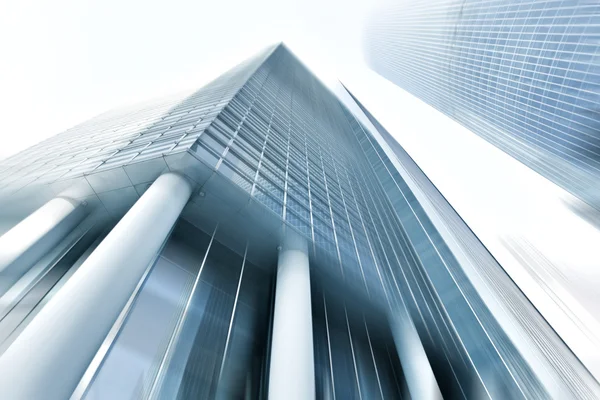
[524,75]
[256,238]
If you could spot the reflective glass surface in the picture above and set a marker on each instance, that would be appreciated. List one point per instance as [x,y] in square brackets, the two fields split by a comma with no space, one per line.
[524,75]
[270,149]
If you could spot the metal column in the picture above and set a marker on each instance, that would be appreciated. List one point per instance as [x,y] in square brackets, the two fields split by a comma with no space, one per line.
[27,242]
[292,374]
[47,360]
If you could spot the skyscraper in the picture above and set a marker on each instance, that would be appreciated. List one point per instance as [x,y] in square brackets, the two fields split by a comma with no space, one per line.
[255,238]
[525,76]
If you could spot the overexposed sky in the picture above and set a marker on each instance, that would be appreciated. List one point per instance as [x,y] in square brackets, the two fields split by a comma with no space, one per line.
[64,61]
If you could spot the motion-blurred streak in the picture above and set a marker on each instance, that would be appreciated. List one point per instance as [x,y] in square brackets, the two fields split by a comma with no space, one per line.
[242,226]
[528,330]
[585,211]
[560,289]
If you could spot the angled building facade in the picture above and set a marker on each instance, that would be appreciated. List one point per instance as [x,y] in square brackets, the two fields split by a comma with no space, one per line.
[525,76]
[257,238]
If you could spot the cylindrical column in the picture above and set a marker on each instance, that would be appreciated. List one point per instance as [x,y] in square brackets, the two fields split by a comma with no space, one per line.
[27,242]
[420,379]
[47,360]
[292,374]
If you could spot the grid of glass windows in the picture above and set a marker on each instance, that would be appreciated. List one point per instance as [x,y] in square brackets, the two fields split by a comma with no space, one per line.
[543,341]
[125,135]
[524,75]
[270,128]
[294,148]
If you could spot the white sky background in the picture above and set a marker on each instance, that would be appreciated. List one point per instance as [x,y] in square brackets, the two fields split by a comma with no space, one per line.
[64,61]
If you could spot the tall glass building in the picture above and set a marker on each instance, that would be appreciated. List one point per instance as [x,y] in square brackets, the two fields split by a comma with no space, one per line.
[257,238]
[524,75]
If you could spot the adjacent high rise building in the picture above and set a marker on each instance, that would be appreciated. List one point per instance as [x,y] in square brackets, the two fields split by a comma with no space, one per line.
[524,75]
[260,237]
